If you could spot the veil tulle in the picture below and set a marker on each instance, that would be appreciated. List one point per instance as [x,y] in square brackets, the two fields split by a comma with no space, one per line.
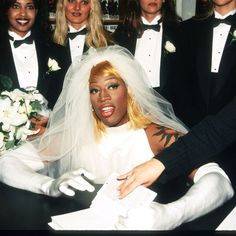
[71,123]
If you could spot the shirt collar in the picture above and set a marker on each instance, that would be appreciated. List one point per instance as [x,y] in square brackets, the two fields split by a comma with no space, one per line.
[153,22]
[219,16]
[17,36]
[73,30]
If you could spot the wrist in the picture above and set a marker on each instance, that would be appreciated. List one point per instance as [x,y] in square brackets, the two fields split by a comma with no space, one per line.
[159,165]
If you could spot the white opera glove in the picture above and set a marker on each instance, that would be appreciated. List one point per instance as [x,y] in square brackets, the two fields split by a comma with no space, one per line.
[18,168]
[68,183]
[211,189]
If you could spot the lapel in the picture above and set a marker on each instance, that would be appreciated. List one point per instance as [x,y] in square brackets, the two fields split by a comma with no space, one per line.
[125,38]
[42,56]
[168,34]
[203,50]
[68,53]
[7,65]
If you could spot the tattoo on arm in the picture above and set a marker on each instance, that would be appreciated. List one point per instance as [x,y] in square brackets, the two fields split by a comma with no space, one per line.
[166,135]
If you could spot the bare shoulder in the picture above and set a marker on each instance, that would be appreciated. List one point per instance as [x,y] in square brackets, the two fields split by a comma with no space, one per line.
[160,137]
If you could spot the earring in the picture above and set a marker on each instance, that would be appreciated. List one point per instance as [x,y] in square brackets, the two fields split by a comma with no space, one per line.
[91,108]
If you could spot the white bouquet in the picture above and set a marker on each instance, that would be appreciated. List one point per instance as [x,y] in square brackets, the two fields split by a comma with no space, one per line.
[17,108]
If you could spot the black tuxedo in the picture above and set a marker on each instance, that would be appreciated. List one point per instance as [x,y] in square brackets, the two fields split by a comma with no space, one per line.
[198,147]
[205,95]
[45,50]
[127,39]
[197,93]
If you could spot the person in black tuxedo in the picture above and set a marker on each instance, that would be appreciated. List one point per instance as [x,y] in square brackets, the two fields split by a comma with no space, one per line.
[78,30]
[25,49]
[207,63]
[207,84]
[150,32]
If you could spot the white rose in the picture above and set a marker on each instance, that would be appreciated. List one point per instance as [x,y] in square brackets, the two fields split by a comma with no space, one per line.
[170,47]
[53,65]
[5,104]
[6,127]
[12,133]
[18,119]
[1,139]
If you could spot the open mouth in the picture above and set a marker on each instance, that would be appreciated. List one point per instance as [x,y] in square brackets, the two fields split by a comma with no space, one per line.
[22,21]
[76,14]
[107,111]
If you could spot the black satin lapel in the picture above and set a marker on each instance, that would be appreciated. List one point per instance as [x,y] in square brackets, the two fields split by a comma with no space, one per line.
[42,58]
[203,58]
[8,63]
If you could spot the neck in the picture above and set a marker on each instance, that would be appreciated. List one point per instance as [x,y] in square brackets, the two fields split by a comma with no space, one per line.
[77,26]
[225,9]
[150,17]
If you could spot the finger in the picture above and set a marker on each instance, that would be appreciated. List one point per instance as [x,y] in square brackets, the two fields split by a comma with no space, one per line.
[127,188]
[63,187]
[124,176]
[84,183]
[84,172]
[74,184]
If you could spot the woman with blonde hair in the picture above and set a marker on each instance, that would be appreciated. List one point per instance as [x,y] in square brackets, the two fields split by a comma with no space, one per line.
[79,26]
[78,15]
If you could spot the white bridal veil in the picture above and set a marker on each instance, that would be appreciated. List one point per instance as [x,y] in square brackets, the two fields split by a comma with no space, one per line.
[71,123]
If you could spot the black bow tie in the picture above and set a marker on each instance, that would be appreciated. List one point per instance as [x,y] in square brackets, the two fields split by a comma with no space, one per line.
[155,27]
[228,20]
[72,35]
[17,43]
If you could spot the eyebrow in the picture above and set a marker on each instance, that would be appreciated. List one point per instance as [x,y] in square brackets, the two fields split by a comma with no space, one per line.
[109,78]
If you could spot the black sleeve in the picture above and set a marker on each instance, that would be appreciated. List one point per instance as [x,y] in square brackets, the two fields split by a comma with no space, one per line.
[197,147]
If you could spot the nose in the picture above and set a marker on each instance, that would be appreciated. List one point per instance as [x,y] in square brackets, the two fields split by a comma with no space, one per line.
[104,95]
[22,11]
[77,5]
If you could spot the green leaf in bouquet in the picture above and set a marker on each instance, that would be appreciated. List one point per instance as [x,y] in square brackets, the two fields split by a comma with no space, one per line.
[5,83]
[10,144]
[36,106]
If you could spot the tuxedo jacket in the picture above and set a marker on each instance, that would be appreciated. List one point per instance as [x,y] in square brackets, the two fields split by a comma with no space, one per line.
[45,50]
[127,39]
[208,138]
[196,93]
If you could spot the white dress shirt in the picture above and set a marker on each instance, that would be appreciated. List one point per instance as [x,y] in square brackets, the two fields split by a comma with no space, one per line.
[76,44]
[26,61]
[220,35]
[148,51]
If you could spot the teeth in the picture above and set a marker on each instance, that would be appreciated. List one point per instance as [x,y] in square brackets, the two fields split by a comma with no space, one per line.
[76,14]
[22,21]
[106,108]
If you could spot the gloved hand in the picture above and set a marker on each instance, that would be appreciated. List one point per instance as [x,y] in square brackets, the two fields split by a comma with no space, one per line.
[68,183]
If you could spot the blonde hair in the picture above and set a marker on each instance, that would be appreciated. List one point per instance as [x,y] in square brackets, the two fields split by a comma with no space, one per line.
[135,115]
[96,36]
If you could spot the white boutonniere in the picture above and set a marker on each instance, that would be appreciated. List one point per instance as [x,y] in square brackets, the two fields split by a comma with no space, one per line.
[52,65]
[169,47]
[234,36]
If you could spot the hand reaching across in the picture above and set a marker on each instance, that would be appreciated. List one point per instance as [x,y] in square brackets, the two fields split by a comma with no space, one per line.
[68,183]
[144,174]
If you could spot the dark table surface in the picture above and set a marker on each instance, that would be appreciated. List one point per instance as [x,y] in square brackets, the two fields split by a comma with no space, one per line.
[23,210]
